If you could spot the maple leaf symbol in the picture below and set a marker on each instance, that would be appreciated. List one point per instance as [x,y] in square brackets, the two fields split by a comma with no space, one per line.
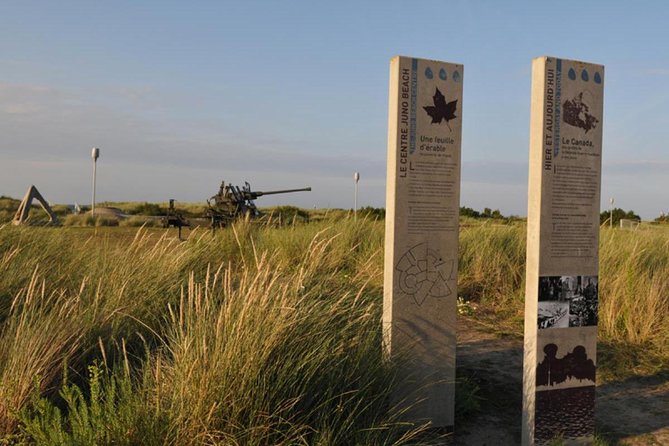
[441,110]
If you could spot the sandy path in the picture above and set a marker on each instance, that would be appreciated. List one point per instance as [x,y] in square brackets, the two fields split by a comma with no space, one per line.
[631,412]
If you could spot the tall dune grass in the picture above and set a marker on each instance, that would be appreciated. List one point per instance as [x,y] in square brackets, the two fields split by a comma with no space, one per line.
[634,302]
[246,337]
[257,335]
[492,272]
[633,291]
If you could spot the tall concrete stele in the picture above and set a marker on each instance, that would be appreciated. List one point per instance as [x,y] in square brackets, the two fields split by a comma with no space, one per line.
[421,246]
[562,251]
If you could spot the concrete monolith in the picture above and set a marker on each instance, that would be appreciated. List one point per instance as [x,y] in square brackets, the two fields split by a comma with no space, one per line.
[421,246]
[562,251]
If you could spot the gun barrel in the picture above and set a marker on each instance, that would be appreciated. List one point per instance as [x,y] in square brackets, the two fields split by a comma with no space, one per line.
[285,191]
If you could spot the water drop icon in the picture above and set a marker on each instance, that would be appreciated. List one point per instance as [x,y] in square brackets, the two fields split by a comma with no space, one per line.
[442,74]
[572,74]
[456,76]
[428,73]
[584,75]
[598,78]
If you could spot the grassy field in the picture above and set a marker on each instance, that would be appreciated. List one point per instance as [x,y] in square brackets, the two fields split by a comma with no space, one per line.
[260,335]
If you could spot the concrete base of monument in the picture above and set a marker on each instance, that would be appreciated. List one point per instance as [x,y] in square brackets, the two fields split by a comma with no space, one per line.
[631,412]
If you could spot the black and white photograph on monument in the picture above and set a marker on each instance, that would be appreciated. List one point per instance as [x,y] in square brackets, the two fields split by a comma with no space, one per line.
[567,301]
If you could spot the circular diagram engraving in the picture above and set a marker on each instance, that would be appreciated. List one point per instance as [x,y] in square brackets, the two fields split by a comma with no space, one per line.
[424,273]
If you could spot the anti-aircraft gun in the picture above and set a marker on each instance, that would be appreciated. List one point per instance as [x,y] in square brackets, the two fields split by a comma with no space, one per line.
[233,202]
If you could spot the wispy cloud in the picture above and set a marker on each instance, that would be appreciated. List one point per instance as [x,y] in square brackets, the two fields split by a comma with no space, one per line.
[27,99]
[658,72]
[48,133]
[636,167]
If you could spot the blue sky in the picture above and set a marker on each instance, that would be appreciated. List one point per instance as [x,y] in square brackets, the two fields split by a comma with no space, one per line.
[180,95]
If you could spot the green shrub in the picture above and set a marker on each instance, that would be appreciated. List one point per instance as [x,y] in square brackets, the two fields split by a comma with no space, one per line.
[110,410]
[148,209]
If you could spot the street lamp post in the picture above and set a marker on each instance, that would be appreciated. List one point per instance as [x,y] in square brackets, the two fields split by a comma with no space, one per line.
[95,154]
[356,178]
